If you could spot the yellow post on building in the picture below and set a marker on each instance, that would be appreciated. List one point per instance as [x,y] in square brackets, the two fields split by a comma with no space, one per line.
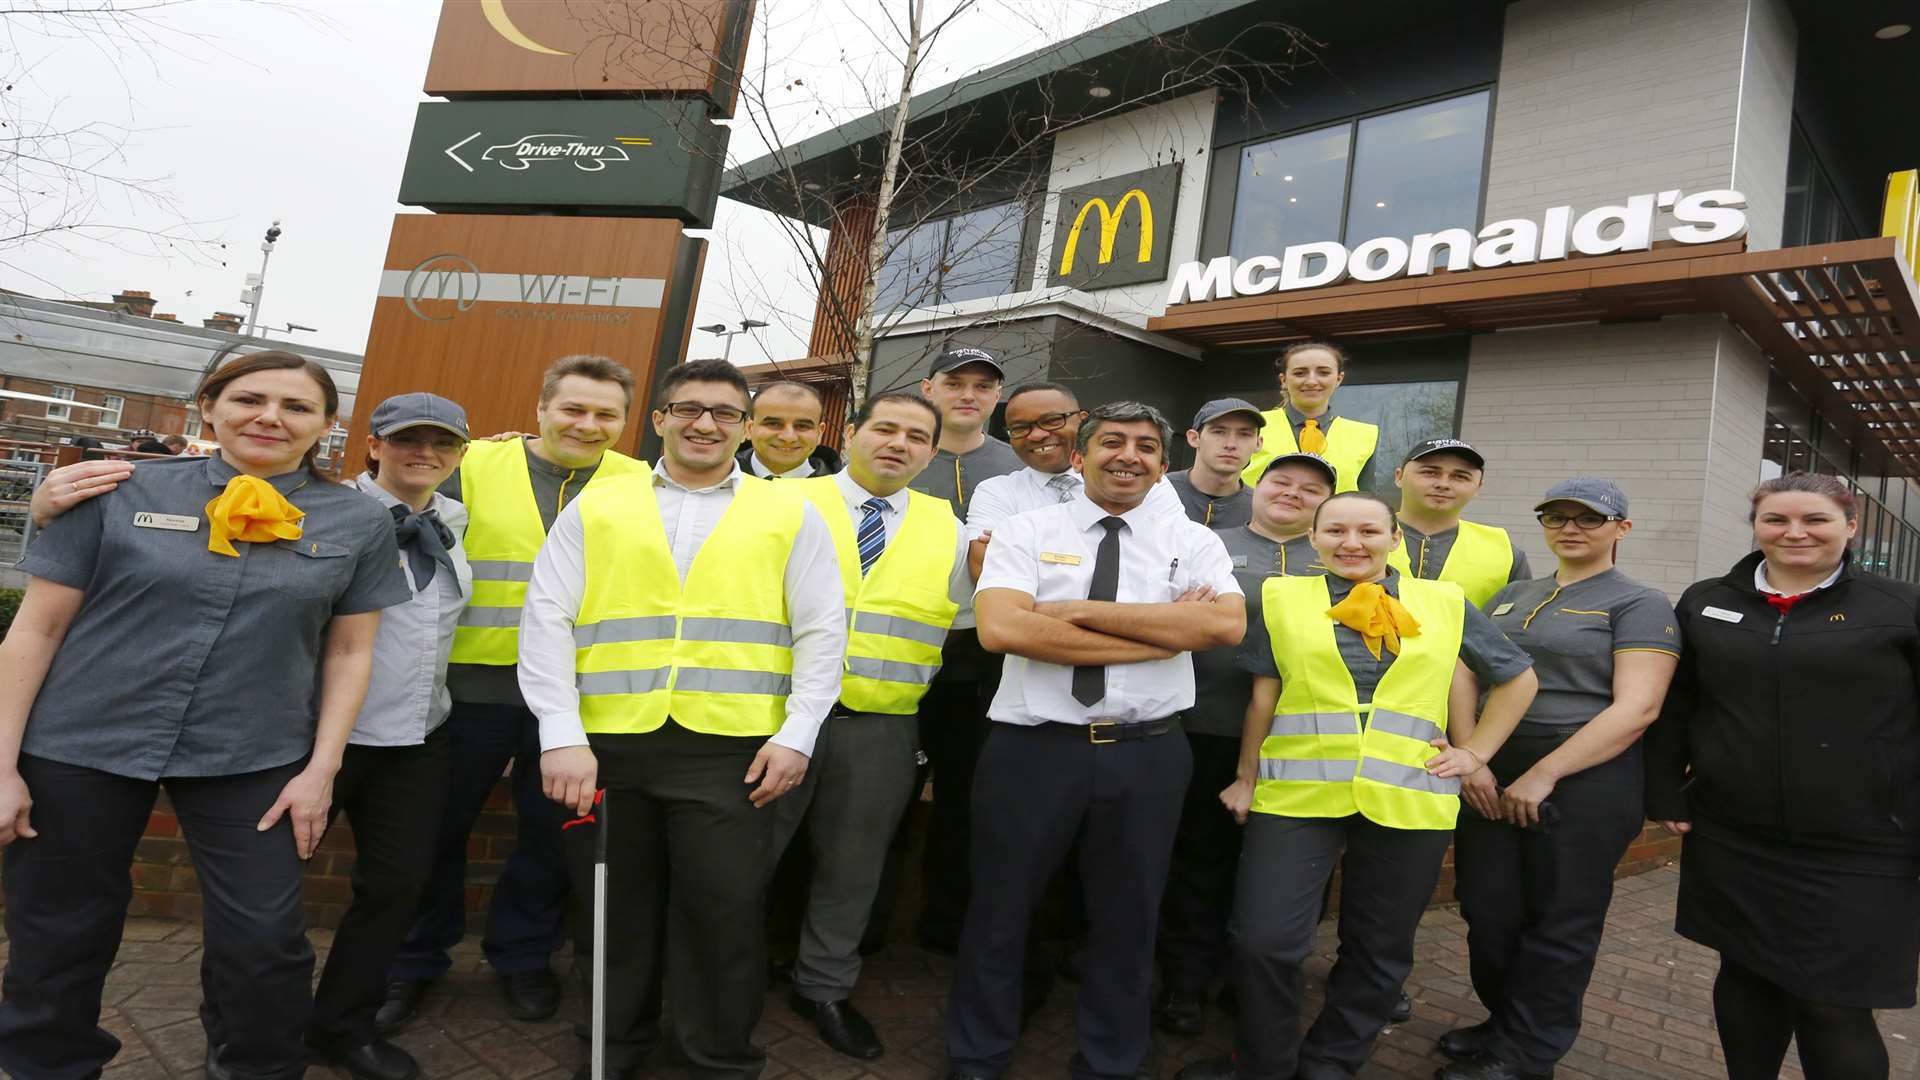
[1900,213]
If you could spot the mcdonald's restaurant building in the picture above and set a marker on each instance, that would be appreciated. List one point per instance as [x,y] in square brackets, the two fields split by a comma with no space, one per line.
[1670,243]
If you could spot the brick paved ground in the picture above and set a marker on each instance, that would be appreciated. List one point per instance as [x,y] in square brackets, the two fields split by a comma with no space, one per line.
[1648,1013]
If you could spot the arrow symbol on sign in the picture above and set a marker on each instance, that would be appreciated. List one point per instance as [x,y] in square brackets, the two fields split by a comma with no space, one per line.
[449,151]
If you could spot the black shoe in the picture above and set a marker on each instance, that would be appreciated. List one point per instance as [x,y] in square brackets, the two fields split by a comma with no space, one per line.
[841,1026]
[403,1000]
[1402,1010]
[1486,1067]
[1466,1041]
[1214,1068]
[215,1070]
[531,995]
[1180,1014]
[378,1060]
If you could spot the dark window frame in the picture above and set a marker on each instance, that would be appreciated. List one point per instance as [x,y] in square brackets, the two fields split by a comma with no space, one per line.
[1025,257]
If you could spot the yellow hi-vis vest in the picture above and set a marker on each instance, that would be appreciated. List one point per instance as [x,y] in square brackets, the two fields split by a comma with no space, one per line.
[899,614]
[504,533]
[1318,760]
[1480,561]
[1350,445]
[715,651]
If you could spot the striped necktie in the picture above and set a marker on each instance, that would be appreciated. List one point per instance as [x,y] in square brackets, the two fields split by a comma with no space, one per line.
[872,537]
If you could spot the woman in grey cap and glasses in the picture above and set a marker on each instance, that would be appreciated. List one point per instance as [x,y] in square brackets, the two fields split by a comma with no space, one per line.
[1535,853]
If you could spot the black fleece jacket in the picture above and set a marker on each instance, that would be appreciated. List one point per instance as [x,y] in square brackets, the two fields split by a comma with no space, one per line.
[1802,728]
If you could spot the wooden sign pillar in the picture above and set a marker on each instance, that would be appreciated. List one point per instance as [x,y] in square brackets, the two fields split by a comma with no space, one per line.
[574,146]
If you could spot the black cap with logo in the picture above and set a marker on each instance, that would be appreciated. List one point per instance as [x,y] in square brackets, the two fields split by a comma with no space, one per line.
[959,356]
[1446,446]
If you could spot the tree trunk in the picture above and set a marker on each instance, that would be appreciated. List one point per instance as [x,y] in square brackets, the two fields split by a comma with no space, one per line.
[862,365]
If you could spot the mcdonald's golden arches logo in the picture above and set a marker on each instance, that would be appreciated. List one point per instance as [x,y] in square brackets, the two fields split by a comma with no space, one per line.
[1134,218]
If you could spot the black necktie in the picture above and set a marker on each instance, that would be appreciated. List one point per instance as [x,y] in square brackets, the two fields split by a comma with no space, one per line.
[1090,680]
[425,539]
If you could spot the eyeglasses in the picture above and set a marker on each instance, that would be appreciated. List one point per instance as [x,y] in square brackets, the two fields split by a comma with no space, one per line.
[1049,422]
[1586,522]
[692,410]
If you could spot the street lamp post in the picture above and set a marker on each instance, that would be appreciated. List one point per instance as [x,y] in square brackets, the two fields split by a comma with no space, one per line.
[250,296]
[722,330]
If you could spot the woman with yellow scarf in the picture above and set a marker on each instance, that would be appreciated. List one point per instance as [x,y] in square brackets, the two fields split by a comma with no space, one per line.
[206,625]
[1345,753]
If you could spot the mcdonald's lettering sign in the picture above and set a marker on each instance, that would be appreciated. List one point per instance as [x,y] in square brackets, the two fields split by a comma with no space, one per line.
[1114,231]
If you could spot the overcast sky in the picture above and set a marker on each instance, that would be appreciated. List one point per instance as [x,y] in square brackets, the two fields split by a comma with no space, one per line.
[302,109]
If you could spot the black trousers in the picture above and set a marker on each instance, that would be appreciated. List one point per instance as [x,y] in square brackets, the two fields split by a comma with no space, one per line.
[1038,789]
[392,797]
[1206,856]
[1387,877]
[1535,900]
[526,921]
[67,892]
[953,729]
[687,864]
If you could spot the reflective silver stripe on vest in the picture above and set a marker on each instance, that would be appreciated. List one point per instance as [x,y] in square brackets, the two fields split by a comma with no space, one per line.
[723,681]
[622,682]
[737,632]
[895,626]
[1328,770]
[490,616]
[891,670]
[1411,777]
[1402,724]
[1326,723]
[500,570]
[632,628]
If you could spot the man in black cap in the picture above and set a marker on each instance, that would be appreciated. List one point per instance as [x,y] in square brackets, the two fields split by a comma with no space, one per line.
[1224,435]
[1437,480]
[963,382]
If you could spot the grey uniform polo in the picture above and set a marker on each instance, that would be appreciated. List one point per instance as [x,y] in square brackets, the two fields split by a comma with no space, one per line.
[1492,658]
[1215,512]
[953,477]
[554,486]
[1573,632]
[1222,685]
[183,662]
[1427,553]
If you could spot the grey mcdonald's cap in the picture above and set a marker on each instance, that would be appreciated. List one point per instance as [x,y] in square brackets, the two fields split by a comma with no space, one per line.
[418,409]
[1601,496]
[1305,458]
[1219,407]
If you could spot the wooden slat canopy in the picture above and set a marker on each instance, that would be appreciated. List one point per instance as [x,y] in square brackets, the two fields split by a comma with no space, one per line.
[1841,321]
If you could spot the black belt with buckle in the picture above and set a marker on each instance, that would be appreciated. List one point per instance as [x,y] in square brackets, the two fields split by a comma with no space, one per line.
[1103,732]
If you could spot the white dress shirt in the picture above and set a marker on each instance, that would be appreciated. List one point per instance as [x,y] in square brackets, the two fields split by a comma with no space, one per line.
[798,472]
[959,587]
[407,692]
[1001,497]
[816,611]
[1049,554]
[1761,583]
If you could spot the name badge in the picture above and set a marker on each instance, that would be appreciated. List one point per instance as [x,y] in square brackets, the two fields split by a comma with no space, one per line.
[172,522]
[1059,557]
[1503,609]
[1722,614]
[1240,561]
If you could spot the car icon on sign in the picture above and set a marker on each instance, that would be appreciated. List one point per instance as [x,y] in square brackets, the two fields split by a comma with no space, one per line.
[583,154]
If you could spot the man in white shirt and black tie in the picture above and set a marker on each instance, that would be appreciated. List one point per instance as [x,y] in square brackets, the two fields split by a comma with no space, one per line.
[1096,603]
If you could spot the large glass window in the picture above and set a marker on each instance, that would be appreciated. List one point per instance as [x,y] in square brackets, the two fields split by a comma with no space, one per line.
[1414,170]
[1812,213]
[112,406]
[966,257]
[1406,412]
[60,412]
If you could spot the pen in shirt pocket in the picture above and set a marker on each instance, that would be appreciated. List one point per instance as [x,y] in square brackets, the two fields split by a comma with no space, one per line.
[1171,567]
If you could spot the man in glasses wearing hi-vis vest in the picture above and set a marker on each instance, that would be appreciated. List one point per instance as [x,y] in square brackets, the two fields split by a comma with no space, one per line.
[1309,374]
[681,643]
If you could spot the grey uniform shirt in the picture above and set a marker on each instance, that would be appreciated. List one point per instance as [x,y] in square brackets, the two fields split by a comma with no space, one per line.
[554,486]
[953,477]
[1296,420]
[184,662]
[1492,658]
[1222,685]
[407,696]
[1573,632]
[1427,553]
[1215,512]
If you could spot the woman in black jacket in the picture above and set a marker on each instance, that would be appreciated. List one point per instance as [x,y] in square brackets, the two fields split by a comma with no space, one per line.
[1788,755]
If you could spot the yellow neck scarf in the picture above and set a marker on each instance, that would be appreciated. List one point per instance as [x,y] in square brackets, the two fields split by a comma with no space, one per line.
[252,511]
[1374,613]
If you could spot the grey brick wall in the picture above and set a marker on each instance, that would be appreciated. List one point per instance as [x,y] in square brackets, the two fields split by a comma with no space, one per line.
[1672,411]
